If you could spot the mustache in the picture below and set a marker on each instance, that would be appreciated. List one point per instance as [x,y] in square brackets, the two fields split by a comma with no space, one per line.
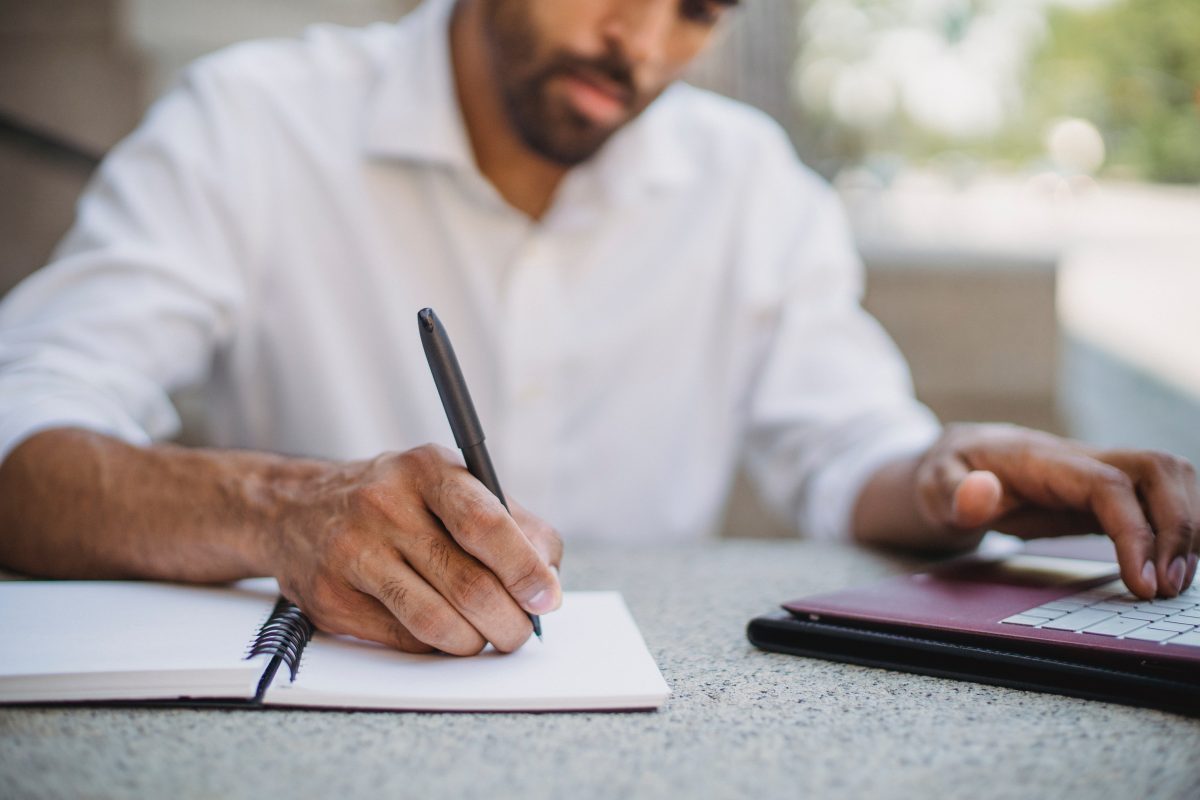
[612,67]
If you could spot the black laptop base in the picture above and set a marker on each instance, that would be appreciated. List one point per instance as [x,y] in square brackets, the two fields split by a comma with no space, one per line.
[783,633]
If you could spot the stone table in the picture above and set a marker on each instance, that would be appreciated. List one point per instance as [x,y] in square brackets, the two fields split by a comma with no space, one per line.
[740,723]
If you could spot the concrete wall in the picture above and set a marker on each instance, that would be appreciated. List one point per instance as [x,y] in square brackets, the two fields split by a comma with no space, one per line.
[66,69]
[981,331]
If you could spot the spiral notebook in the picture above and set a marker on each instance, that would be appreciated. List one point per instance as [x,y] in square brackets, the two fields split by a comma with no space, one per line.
[155,643]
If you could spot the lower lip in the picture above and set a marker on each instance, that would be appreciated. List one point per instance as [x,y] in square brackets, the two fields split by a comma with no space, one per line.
[597,105]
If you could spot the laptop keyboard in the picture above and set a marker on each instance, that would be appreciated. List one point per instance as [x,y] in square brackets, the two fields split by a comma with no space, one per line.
[1110,610]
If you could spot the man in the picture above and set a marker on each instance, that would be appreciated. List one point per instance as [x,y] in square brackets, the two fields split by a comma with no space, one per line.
[641,282]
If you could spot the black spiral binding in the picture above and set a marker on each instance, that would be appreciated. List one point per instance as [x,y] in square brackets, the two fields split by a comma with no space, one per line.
[283,636]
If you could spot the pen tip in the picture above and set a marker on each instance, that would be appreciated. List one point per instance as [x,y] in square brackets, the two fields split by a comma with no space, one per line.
[425,318]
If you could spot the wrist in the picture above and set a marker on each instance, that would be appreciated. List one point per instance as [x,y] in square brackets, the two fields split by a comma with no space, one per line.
[274,495]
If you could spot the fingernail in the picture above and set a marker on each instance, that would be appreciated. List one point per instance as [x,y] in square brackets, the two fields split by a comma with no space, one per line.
[1191,570]
[1176,573]
[543,602]
[1148,577]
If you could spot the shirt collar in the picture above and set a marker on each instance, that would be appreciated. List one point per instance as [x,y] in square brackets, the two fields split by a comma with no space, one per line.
[414,115]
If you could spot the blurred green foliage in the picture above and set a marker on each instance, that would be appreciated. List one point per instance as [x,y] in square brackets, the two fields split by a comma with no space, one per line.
[1133,69]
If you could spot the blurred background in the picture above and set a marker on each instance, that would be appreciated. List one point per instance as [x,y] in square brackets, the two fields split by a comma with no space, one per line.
[1023,176]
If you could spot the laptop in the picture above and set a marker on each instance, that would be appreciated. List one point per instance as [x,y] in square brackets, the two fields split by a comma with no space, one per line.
[1053,616]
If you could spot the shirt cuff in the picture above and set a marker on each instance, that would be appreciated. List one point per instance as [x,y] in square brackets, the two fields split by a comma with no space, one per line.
[22,420]
[833,492]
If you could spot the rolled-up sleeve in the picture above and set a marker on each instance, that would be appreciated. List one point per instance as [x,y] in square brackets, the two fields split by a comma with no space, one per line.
[146,285]
[832,400]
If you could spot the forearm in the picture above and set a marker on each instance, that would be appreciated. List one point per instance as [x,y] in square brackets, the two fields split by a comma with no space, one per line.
[77,504]
[887,514]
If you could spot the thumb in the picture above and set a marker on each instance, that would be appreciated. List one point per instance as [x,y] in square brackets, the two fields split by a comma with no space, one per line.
[977,500]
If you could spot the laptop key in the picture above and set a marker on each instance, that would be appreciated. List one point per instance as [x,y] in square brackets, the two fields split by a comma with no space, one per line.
[1171,626]
[1117,626]
[1043,613]
[1151,635]
[1078,620]
[1149,616]
[1062,605]
[1187,639]
[1174,606]
[1116,608]
[1022,619]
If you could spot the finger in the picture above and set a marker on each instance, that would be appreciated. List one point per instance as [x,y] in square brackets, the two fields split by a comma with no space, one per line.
[1164,485]
[938,479]
[1053,479]
[543,535]
[1039,523]
[977,499]
[416,604]
[368,619]
[470,587]
[1112,499]
[483,527]
[1194,556]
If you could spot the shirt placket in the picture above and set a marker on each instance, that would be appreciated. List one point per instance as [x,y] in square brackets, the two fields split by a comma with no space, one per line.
[532,347]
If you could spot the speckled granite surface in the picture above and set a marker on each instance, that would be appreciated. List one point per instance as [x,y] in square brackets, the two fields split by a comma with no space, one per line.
[740,723]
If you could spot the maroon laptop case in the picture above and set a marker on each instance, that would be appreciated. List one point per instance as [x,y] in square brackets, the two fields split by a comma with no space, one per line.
[946,621]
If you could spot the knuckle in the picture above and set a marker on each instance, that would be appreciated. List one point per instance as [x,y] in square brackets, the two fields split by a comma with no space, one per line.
[1113,480]
[439,554]
[430,622]
[472,648]
[393,593]
[1168,463]
[527,578]
[369,500]
[429,456]
[323,595]
[324,602]
[512,638]
[931,500]
[341,546]
[481,520]
[402,638]
[1143,534]
[477,589]
[421,460]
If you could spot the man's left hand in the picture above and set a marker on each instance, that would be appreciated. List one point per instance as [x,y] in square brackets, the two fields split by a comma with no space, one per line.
[1032,484]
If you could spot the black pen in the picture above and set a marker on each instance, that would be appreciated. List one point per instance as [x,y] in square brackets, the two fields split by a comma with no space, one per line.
[456,399]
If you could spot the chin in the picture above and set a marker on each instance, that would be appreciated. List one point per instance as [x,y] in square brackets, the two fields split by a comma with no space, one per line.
[568,146]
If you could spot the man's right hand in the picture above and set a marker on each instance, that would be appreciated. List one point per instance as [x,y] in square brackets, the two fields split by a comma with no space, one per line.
[410,550]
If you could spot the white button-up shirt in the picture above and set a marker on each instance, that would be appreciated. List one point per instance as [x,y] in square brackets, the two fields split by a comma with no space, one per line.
[272,229]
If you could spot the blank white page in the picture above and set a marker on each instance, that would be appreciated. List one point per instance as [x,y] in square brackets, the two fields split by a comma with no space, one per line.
[593,657]
[116,640]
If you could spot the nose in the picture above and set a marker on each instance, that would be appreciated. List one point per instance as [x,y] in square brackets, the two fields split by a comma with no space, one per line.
[641,28]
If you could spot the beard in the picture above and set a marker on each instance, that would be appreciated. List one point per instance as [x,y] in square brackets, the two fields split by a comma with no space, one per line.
[547,124]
